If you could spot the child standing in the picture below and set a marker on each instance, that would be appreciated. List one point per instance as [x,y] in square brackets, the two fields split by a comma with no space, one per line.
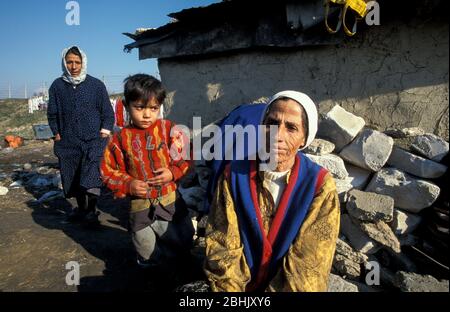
[138,163]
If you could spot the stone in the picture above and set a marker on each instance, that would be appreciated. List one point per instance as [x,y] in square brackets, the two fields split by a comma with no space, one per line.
[404,133]
[430,146]
[333,163]
[412,131]
[342,187]
[362,287]
[344,249]
[408,193]
[358,177]
[412,282]
[320,147]
[404,223]
[394,133]
[416,165]
[382,234]
[27,166]
[3,191]
[346,268]
[7,150]
[370,150]
[367,206]
[338,284]
[197,286]
[43,170]
[404,143]
[357,238]
[340,127]
[194,197]
[347,262]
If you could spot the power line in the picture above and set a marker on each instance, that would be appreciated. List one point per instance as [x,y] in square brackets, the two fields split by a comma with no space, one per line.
[113,84]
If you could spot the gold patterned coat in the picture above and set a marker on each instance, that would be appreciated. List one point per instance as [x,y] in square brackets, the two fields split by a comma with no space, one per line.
[307,264]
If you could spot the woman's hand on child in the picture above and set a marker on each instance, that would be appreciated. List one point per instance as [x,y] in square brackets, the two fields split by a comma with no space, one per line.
[138,188]
[162,176]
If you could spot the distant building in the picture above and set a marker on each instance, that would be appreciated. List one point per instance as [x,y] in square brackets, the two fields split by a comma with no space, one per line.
[35,103]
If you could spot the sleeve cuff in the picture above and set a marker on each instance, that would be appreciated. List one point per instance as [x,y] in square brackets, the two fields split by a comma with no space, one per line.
[176,173]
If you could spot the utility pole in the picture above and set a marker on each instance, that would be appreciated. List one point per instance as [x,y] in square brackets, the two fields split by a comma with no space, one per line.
[26,91]
[9,90]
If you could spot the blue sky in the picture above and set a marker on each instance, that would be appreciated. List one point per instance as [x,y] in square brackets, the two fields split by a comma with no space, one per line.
[34,32]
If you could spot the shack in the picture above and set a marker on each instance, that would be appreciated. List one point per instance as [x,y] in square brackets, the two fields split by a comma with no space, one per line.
[394,75]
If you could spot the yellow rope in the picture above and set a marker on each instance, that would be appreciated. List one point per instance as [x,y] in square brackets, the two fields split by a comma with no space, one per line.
[359,6]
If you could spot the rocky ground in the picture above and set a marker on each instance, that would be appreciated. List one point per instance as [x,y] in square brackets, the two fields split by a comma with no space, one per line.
[392,188]
[394,229]
[36,242]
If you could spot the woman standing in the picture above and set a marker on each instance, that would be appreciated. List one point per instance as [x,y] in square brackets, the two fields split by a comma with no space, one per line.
[81,118]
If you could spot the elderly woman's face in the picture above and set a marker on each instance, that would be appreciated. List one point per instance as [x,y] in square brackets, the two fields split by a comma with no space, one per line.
[73,63]
[287,115]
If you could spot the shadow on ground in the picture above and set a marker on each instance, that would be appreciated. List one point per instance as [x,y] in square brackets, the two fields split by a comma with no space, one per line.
[110,242]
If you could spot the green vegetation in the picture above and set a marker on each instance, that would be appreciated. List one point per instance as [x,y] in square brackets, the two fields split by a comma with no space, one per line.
[15,119]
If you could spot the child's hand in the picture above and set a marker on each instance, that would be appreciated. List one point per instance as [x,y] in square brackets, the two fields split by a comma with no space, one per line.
[138,188]
[162,176]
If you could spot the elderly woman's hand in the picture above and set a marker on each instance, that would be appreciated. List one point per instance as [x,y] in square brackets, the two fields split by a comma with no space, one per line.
[105,133]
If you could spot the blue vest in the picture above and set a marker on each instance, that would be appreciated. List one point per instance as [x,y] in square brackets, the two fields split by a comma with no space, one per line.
[244,115]
[263,251]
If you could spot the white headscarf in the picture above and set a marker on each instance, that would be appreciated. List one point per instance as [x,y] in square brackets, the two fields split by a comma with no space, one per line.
[66,76]
[309,107]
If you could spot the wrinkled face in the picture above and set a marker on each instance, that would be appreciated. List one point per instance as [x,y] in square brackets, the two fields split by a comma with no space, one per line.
[143,115]
[73,64]
[287,115]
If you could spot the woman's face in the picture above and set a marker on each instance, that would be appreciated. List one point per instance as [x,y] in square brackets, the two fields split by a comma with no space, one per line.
[287,115]
[73,64]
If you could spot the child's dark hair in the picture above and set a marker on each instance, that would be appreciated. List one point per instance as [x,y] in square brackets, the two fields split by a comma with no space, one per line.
[143,87]
[74,50]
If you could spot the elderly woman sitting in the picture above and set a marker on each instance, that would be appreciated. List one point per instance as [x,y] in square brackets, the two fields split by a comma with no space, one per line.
[275,230]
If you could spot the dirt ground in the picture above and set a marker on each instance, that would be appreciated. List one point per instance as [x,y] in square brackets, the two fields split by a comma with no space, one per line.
[36,242]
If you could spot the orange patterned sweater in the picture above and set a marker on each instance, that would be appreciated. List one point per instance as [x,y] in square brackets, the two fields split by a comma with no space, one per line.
[135,153]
